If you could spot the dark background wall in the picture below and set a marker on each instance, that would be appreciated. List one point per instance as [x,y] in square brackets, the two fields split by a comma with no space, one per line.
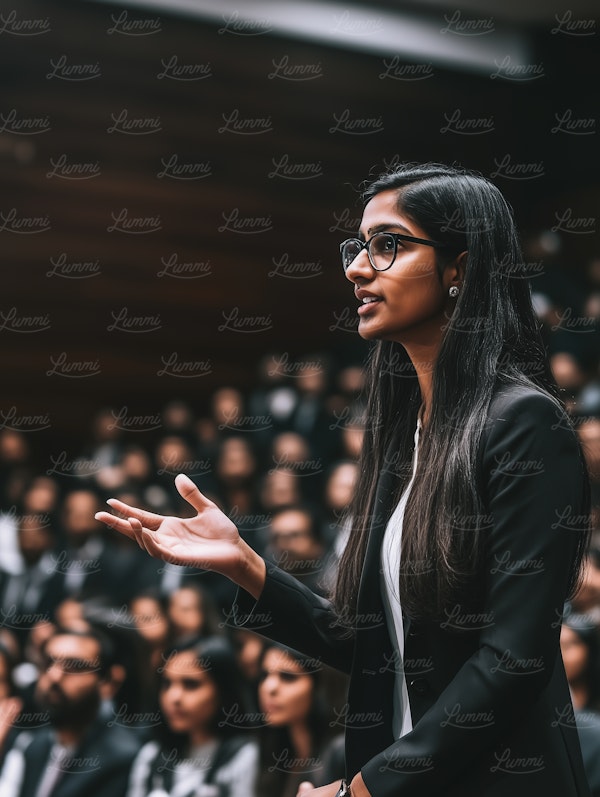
[118,268]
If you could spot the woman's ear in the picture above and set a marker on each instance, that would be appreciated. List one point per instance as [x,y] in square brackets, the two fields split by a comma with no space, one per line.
[461,264]
[454,272]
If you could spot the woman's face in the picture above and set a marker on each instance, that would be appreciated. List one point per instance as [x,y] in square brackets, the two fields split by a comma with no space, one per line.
[574,652]
[185,612]
[150,619]
[285,692]
[189,698]
[411,300]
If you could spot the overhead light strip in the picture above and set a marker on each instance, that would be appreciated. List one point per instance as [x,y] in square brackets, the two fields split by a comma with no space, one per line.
[457,40]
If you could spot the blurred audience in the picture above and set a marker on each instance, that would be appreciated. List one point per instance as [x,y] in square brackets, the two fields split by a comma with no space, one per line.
[104,649]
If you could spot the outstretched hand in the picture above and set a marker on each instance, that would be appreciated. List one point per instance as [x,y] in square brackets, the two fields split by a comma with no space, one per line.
[208,541]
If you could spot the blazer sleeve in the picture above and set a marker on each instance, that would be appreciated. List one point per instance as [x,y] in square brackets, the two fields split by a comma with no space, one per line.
[534,487]
[289,612]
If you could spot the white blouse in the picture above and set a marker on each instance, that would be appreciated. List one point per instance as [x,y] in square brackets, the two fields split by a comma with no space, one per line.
[390,568]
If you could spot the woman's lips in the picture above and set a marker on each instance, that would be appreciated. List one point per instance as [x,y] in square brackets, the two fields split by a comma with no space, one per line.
[368,307]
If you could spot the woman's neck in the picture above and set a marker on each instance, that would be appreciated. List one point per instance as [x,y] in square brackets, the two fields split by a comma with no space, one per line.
[580,694]
[301,740]
[200,736]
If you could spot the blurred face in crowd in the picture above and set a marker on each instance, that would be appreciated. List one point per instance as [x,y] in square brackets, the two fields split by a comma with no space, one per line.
[13,447]
[588,595]
[290,448]
[70,684]
[351,380]
[280,488]
[189,698]
[34,539]
[186,612]
[589,434]
[352,438]
[574,652]
[69,614]
[291,536]
[177,415]
[236,461]
[172,454]
[79,509]
[567,371]
[340,486]
[41,497]
[249,647]
[136,464]
[311,378]
[105,428]
[227,406]
[285,692]
[150,619]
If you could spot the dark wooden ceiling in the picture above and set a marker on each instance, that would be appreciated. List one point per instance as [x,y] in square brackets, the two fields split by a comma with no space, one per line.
[52,223]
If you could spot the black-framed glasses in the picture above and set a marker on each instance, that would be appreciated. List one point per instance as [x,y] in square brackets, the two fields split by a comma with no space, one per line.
[382,248]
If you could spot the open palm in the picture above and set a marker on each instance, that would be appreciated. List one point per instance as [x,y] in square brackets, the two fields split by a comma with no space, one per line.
[208,541]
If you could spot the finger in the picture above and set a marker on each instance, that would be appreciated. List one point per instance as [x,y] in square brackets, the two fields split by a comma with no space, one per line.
[149,519]
[137,531]
[188,490]
[304,788]
[116,523]
[150,544]
[146,539]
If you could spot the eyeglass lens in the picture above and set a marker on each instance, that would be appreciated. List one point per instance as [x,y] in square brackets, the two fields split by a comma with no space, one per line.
[381,249]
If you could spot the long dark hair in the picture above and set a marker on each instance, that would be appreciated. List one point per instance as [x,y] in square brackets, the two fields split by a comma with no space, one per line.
[492,337]
[275,744]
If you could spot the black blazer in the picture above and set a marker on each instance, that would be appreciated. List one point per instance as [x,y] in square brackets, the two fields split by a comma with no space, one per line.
[100,766]
[489,699]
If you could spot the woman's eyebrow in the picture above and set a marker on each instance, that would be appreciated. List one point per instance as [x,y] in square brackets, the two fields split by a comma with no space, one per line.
[384,227]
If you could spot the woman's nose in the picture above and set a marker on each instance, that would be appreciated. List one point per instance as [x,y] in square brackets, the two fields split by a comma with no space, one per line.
[270,683]
[360,269]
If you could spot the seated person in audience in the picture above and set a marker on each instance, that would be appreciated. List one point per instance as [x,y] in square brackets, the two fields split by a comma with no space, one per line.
[295,721]
[10,703]
[580,648]
[292,450]
[201,749]
[36,586]
[587,599]
[94,566]
[280,487]
[295,545]
[76,753]
[191,612]
[149,615]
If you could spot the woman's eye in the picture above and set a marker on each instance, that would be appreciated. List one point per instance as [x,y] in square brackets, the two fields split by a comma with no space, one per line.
[384,244]
[189,684]
[288,677]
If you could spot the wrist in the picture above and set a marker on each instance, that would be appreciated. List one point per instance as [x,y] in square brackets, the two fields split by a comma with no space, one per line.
[358,787]
[251,570]
[344,790]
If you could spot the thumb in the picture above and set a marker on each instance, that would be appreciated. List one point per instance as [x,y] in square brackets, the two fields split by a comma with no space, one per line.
[188,490]
[305,788]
